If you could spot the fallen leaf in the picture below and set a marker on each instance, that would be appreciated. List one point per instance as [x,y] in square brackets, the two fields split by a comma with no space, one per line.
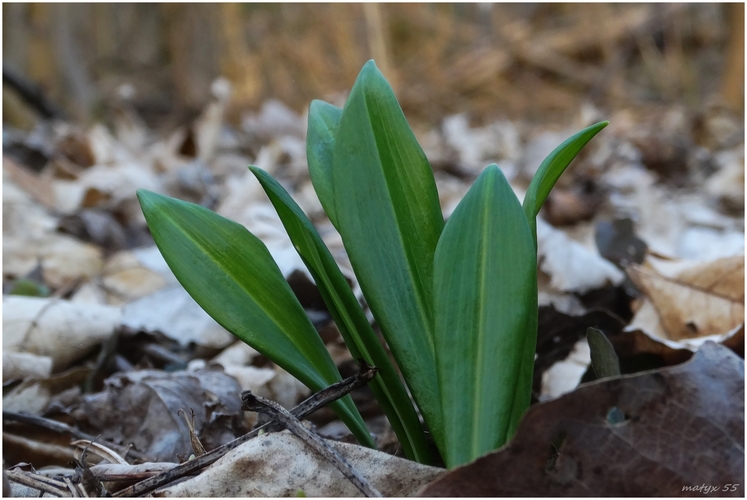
[689,300]
[34,396]
[572,266]
[127,278]
[237,354]
[727,184]
[174,313]
[280,465]
[31,182]
[95,226]
[682,428]
[60,329]
[141,408]
[19,365]
[22,215]
[564,376]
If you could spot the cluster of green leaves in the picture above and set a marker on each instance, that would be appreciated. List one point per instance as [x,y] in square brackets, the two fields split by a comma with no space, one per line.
[456,302]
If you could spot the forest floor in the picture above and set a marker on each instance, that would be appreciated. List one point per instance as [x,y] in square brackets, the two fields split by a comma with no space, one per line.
[642,238]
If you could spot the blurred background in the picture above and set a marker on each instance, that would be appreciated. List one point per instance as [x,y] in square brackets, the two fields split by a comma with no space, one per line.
[535,62]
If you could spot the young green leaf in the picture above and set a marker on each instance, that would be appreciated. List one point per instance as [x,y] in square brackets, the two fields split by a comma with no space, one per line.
[324,120]
[360,338]
[485,294]
[231,275]
[542,183]
[389,217]
[551,169]
[604,359]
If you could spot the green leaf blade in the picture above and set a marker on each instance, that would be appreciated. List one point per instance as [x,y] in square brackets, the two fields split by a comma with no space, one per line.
[389,217]
[360,338]
[485,294]
[232,276]
[604,359]
[552,168]
[324,120]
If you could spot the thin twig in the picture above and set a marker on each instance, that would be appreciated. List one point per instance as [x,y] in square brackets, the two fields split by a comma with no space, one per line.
[250,402]
[39,482]
[309,405]
[71,487]
[197,447]
[63,428]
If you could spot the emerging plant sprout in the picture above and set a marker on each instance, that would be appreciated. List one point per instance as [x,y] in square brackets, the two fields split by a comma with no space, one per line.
[456,302]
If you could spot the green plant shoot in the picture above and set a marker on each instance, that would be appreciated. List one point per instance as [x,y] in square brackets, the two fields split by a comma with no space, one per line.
[455,302]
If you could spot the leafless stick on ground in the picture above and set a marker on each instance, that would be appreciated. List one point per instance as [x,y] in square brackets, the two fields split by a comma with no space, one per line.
[250,402]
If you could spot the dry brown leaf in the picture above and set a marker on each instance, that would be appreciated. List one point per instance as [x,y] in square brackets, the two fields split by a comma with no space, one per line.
[280,465]
[141,408]
[683,428]
[31,183]
[127,278]
[700,300]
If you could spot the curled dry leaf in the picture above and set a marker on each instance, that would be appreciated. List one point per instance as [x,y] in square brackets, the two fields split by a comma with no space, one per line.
[141,408]
[680,428]
[60,329]
[688,303]
[280,465]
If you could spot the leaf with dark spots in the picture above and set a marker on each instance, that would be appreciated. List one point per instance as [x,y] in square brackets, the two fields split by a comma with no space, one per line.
[670,432]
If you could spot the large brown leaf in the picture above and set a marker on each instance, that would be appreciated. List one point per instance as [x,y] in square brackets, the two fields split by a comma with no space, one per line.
[681,428]
[693,301]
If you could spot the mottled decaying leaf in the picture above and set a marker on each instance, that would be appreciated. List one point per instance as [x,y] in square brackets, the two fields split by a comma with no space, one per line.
[281,465]
[142,408]
[695,301]
[660,433]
